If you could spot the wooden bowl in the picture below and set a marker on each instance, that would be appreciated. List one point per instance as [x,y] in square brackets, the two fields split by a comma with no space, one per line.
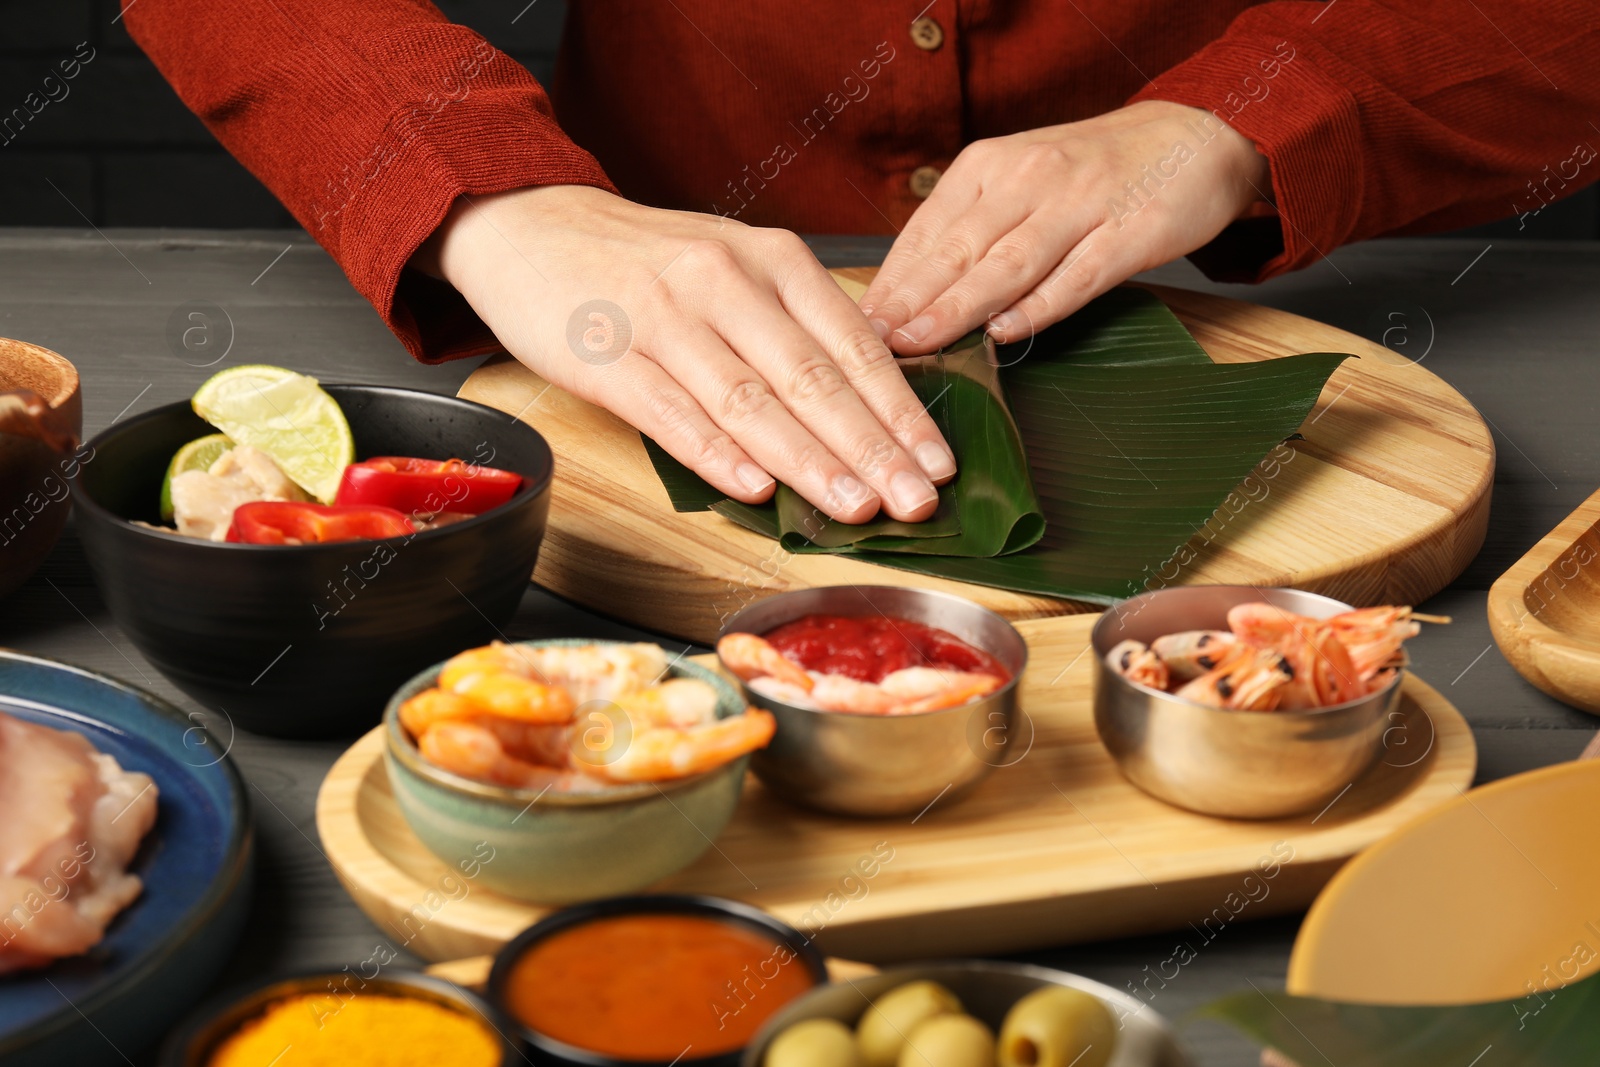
[1545,611]
[1490,896]
[41,420]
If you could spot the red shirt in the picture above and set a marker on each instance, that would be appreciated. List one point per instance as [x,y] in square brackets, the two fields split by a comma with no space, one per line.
[368,118]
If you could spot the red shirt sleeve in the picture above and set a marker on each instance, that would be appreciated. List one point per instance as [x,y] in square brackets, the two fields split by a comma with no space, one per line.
[367,118]
[1402,117]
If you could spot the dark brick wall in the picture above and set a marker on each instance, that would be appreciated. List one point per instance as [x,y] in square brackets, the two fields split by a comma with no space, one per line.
[119,149]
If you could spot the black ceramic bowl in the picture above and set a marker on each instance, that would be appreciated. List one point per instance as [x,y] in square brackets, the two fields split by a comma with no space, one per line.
[192,1043]
[310,640]
[548,1050]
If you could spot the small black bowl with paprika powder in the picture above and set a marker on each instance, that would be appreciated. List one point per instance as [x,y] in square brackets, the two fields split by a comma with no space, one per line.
[651,980]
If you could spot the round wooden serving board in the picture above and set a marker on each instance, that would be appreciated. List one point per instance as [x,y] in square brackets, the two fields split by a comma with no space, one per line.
[1057,847]
[1384,501]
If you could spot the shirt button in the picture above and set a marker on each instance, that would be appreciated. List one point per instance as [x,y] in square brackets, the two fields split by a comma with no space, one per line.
[927,34]
[923,179]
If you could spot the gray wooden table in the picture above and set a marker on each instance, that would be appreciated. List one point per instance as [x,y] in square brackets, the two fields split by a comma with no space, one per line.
[1512,326]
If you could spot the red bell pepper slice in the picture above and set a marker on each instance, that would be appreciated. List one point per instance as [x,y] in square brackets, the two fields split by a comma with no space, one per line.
[281,522]
[426,485]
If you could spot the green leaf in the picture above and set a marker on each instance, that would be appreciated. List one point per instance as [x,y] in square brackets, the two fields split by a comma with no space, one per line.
[989,508]
[1547,1028]
[1130,460]
[1122,436]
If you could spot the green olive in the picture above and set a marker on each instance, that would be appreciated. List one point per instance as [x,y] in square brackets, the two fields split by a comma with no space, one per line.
[949,1041]
[814,1043]
[1057,1027]
[883,1029]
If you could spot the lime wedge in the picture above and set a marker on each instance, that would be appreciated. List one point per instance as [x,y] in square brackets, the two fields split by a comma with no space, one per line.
[287,416]
[197,455]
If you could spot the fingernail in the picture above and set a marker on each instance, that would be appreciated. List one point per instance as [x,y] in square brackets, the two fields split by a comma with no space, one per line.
[936,462]
[1004,322]
[866,309]
[911,492]
[915,330]
[753,478]
[850,493]
[880,328]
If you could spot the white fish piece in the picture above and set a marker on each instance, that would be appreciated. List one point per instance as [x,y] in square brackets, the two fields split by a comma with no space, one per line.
[203,501]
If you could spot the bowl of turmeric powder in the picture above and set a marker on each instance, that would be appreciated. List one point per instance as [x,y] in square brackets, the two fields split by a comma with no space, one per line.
[394,1019]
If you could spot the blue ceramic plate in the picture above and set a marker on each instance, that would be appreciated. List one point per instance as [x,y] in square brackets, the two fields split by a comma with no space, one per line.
[161,954]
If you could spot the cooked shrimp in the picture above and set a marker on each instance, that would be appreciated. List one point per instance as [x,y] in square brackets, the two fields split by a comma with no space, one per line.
[1138,663]
[472,751]
[919,689]
[515,697]
[597,671]
[496,658]
[434,705]
[537,742]
[1374,635]
[750,656]
[661,753]
[1249,680]
[963,687]
[840,692]
[678,702]
[1266,625]
[1321,669]
[1193,652]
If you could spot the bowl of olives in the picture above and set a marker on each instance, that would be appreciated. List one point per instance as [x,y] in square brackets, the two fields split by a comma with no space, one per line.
[968,1013]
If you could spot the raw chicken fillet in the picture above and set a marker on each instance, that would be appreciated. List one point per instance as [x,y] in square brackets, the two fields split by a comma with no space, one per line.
[71,819]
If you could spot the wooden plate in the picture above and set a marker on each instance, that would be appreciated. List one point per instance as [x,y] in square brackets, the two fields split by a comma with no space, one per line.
[1384,501]
[1545,611]
[1056,848]
[1492,896]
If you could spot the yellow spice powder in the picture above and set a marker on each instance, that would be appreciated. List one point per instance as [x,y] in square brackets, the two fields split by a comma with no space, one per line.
[324,1030]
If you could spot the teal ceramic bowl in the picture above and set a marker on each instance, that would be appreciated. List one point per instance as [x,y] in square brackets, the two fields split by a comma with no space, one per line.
[551,848]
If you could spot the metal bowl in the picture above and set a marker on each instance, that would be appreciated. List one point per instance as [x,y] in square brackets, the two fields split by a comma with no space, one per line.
[1234,764]
[987,990]
[876,765]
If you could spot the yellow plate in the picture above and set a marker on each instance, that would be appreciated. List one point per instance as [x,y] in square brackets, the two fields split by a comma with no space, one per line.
[1492,896]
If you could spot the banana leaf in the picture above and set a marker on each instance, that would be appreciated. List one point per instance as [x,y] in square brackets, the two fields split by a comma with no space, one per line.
[1132,436]
[988,509]
[1547,1028]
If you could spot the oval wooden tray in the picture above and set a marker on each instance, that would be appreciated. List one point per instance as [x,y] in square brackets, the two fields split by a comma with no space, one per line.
[1056,848]
[1384,501]
[1545,611]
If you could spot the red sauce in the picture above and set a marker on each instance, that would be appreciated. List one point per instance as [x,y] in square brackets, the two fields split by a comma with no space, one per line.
[654,987]
[867,647]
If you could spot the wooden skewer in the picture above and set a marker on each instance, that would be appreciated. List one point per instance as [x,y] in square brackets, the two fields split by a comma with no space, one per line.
[1420,617]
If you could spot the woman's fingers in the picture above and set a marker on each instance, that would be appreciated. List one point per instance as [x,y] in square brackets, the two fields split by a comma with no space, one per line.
[817,304]
[641,393]
[958,249]
[949,200]
[1014,266]
[1098,262]
[835,443]
[745,407]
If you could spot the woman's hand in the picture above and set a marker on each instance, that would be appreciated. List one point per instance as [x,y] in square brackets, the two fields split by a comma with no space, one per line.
[730,346]
[1024,230]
